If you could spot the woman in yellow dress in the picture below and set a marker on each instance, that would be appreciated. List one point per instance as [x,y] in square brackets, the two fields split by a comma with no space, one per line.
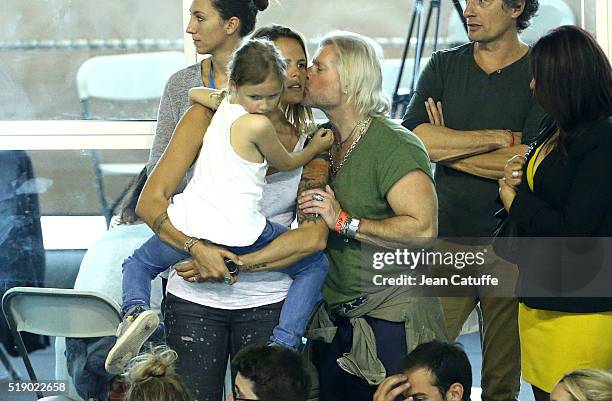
[563,188]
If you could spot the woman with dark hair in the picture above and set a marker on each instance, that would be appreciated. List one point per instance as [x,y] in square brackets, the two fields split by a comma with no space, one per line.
[207,320]
[562,189]
[217,28]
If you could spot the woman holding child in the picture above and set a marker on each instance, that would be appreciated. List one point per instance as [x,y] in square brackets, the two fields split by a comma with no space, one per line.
[207,321]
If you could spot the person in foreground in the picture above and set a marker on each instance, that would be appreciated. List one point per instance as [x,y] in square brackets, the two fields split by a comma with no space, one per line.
[221,204]
[562,188]
[248,311]
[583,385]
[433,371]
[151,377]
[381,194]
[270,374]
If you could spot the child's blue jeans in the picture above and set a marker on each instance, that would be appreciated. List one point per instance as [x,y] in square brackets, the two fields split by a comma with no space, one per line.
[308,274]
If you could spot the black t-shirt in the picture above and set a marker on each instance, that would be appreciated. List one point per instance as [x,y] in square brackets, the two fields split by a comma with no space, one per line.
[473,100]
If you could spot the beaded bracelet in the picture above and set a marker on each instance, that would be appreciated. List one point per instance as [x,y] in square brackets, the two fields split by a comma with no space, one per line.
[189,243]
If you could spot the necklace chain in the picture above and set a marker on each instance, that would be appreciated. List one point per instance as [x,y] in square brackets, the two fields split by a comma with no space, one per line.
[363,127]
[338,144]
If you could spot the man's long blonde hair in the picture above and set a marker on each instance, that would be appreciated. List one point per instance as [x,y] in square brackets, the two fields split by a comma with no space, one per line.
[360,68]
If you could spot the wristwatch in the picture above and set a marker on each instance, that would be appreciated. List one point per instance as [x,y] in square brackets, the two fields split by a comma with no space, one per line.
[351,229]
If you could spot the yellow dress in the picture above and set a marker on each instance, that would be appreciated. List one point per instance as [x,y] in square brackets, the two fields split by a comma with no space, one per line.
[554,343]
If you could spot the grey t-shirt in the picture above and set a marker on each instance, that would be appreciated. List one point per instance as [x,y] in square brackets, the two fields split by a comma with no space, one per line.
[174,103]
[473,100]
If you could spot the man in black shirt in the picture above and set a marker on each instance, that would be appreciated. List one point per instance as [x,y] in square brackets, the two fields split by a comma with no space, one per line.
[474,110]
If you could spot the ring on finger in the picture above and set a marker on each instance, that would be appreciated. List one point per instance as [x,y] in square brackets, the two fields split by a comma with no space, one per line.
[515,174]
[227,280]
[194,279]
[318,197]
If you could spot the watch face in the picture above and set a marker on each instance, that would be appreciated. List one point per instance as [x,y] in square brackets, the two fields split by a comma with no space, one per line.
[353,225]
[231,266]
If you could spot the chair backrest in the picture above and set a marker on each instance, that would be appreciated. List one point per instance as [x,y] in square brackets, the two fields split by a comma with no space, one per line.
[60,312]
[138,76]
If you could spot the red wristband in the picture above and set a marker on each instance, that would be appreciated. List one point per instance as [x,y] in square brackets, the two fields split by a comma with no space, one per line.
[342,218]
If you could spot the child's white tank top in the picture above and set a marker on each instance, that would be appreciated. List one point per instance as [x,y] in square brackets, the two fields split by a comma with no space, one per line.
[222,201]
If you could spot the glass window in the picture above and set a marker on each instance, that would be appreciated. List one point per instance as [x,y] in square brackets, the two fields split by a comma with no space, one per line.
[104,61]
[47,46]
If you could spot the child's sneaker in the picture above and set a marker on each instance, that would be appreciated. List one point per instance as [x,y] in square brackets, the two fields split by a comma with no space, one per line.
[137,326]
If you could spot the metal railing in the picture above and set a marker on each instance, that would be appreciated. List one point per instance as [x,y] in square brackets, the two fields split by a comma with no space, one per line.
[87,44]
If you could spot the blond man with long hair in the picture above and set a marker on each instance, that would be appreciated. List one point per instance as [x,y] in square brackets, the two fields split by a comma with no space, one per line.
[381,193]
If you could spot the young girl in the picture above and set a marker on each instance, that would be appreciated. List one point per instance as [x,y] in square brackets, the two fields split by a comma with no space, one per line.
[151,377]
[221,203]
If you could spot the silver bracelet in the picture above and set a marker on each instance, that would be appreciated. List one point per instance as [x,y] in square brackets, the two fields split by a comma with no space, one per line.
[189,243]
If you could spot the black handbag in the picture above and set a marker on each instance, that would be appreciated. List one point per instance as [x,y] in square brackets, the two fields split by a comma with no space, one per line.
[506,239]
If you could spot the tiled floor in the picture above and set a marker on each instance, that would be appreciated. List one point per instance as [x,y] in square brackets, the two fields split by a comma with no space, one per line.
[44,366]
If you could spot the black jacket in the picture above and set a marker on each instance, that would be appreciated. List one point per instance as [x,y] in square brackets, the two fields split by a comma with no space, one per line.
[568,219]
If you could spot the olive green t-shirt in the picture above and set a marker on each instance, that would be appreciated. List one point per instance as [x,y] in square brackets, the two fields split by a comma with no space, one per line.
[385,154]
[473,100]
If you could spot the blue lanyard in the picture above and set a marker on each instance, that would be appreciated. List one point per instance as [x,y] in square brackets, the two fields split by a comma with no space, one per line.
[211,77]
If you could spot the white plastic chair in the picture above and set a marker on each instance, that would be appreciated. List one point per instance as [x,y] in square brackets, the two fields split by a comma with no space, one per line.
[123,77]
[126,77]
[58,312]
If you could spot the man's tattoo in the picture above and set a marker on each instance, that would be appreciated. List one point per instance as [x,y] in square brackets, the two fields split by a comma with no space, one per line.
[315,175]
[159,221]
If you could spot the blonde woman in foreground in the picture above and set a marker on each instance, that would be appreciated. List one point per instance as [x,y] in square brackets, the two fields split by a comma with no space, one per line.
[151,377]
[584,385]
